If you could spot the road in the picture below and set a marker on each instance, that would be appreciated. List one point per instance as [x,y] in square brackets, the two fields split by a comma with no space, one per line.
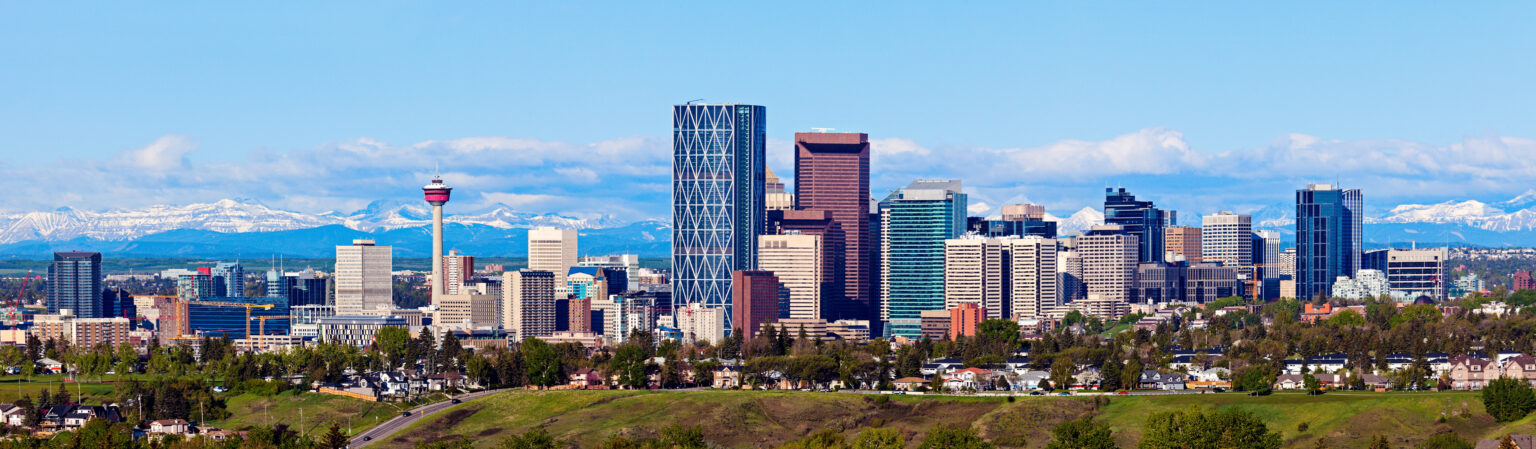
[388,428]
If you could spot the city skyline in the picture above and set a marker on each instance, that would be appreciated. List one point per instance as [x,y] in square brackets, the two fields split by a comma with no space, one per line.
[1034,120]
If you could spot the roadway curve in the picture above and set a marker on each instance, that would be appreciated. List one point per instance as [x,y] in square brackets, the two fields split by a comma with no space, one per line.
[388,428]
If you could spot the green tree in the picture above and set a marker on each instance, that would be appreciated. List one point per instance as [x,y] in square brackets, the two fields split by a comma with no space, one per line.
[825,438]
[1185,429]
[1446,440]
[1347,318]
[1061,373]
[392,341]
[334,439]
[1380,442]
[1311,383]
[1110,375]
[944,436]
[1081,433]
[538,438]
[1508,399]
[629,365]
[541,363]
[878,438]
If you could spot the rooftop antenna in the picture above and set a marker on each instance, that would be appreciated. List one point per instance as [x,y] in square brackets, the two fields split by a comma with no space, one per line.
[693,100]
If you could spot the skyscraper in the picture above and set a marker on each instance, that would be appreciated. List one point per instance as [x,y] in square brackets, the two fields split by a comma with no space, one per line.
[756,296]
[1328,237]
[718,170]
[977,271]
[915,222]
[228,280]
[1138,218]
[1035,277]
[74,283]
[1183,241]
[796,260]
[832,174]
[1109,262]
[528,303]
[364,285]
[1266,252]
[553,250]
[457,269]
[1227,238]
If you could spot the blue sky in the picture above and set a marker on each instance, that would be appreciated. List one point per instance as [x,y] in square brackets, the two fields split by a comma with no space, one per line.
[327,105]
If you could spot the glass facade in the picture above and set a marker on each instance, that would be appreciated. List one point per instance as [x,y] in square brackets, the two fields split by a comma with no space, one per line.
[230,320]
[74,283]
[1138,218]
[717,199]
[1328,237]
[915,222]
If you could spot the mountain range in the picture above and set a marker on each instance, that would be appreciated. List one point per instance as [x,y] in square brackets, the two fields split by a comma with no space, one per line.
[246,228]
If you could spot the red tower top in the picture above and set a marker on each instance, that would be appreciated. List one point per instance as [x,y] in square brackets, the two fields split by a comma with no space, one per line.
[436,192]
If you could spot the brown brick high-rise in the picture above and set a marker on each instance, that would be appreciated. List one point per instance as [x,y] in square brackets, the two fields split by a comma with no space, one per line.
[755,295]
[832,174]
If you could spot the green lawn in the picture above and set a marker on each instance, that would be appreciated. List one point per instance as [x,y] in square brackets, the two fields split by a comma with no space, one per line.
[317,411]
[766,419]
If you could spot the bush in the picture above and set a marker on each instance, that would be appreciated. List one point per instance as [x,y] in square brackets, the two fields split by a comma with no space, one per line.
[1508,399]
[1301,427]
[1445,441]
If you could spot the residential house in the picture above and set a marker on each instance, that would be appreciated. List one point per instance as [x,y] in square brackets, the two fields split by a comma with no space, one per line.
[12,415]
[1521,367]
[1031,380]
[968,379]
[586,377]
[936,365]
[1153,380]
[1521,442]
[1290,382]
[1086,379]
[727,377]
[1471,373]
[172,426]
[910,383]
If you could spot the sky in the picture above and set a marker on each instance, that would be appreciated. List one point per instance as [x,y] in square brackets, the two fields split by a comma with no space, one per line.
[564,107]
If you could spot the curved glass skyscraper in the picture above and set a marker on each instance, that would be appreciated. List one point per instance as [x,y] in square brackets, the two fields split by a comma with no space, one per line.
[718,160]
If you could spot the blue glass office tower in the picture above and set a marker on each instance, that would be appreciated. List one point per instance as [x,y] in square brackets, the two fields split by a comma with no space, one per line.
[1327,237]
[229,279]
[74,283]
[1139,218]
[718,160]
[230,321]
[915,221]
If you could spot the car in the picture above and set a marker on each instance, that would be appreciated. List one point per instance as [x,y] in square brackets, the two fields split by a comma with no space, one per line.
[805,389]
[1064,393]
[1219,390]
[367,438]
[219,389]
[1036,393]
[405,413]
[1122,392]
[454,401]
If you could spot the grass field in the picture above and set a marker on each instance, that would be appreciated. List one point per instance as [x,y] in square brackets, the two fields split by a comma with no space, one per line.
[316,411]
[766,419]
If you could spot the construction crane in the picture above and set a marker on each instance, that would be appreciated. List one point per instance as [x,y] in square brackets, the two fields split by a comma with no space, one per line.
[13,307]
[261,328]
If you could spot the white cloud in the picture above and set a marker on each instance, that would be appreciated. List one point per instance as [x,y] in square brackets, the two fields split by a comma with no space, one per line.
[166,153]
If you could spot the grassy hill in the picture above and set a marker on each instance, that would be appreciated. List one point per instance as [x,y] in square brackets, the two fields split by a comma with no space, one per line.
[766,419]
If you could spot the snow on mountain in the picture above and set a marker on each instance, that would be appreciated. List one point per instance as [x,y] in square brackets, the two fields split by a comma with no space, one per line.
[1272,216]
[1079,221]
[232,216]
[1471,213]
[1524,201]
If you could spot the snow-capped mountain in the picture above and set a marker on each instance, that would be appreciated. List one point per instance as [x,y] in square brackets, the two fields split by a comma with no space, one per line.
[1079,221]
[1472,213]
[245,216]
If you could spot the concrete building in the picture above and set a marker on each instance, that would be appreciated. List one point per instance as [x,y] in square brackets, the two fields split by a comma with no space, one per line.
[832,175]
[1109,262]
[579,315]
[1208,282]
[74,283]
[977,271]
[1418,272]
[630,263]
[964,318]
[934,325]
[1183,241]
[1367,283]
[466,311]
[718,169]
[364,285]
[458,269]
[1069,265]
[1328,237]
[552,250]
[81,332]
[356,330]
[915,222]
[797,260]
[1288,263]
[1023,212]
[774,196]
[528,303]
[1227,238]
[756,296]
[1035,277]
[698,323]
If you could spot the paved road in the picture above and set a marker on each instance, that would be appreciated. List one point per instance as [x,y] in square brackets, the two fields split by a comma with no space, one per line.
[388,428]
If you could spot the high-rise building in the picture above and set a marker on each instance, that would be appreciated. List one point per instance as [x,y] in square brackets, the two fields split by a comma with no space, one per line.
[718,171]
[1227,238]
[1141,219]
[74,283]
[756,296]
[228,280]
[1418,272]
[553,250]
[774,196]
[364,285]
[698,323]
[629,263]
[1036,277]
[965,318]
[303,288]
[196,285]
[457,270]
[1523,281]
[977,271]
[830,242]
[1070,274]
[1288,264]
[1011,228]
[1023,212]
[1266,253]
[1328,239]
[579,315]
[796,259]
[528,303]
[915,222]
[1109,262]
[832,175]
[1183,241]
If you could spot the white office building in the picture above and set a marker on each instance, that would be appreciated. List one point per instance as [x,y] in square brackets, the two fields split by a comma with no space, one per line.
[364,285]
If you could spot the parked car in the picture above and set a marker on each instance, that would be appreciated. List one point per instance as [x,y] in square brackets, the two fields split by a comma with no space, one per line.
[1036,393]
[454,401]
[1122,392]
[406,413]
[219,389]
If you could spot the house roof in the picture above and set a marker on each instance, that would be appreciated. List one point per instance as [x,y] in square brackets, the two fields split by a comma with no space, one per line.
[971,370]
[910,380]
[170,422]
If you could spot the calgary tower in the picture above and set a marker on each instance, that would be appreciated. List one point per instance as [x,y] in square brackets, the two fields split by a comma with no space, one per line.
[437,196]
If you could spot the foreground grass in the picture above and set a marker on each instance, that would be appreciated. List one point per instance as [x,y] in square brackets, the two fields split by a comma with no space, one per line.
[312,413]
[767,419]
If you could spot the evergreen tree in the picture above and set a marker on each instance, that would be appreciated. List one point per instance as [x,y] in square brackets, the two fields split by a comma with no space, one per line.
[1081,433]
